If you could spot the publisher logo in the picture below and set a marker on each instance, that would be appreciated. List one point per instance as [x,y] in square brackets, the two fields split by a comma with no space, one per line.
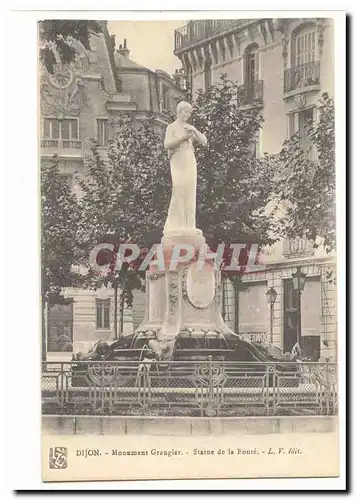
[58,458]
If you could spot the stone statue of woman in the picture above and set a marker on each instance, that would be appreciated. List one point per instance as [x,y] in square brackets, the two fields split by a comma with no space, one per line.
[179,141]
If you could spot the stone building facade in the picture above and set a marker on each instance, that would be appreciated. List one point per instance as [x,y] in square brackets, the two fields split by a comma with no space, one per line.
[255,319]
[284,66]
[78,103]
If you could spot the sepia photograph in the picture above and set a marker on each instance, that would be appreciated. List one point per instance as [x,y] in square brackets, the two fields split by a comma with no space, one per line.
[187,189]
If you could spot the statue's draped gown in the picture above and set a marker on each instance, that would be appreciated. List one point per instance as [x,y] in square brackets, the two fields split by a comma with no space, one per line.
[181,213]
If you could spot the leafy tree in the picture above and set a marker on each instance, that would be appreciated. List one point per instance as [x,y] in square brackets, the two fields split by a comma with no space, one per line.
[233,185]
[304,181]
[125,198]
[56,36]
[59,225]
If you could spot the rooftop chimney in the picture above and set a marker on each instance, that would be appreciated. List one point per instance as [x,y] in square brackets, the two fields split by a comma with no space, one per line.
[112,39]
[124,51]
[179,78]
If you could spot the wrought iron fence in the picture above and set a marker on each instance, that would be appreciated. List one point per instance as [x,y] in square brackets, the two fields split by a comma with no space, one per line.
[302,76]
[206,388]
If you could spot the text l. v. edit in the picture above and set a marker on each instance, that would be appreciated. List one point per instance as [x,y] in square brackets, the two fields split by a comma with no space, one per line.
[283,451]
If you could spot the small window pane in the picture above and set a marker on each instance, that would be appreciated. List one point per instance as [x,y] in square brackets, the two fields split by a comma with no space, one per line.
[103,313]
[73,129]
[99,321]
[65,129]
[55,129]
[46,128]
[106,317]
[102,132]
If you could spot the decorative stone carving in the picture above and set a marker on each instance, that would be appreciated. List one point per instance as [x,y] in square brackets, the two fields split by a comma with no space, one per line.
[263,31]
[320,27]
[64,92]
[300,100]
[282,26]
[218,292]
[65,101]
[62,76]
[285,45]
[155,276]
[162,349]
[200,286]
[270,25]
[230,45]
[173,293]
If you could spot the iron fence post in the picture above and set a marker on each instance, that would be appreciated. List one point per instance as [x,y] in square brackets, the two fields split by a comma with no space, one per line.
[327,382]
[62,388]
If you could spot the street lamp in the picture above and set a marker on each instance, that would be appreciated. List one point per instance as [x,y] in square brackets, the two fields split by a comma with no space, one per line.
[271,299]
[298,284]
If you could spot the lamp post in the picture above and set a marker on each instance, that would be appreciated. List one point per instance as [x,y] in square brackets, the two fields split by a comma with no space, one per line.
[271,299]
[298,284]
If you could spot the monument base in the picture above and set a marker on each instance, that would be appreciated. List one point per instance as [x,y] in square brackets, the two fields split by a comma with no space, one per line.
[184,302]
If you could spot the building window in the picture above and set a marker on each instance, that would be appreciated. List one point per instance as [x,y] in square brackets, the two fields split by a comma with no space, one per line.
[207,76]
[102,314]
[300,122]
[303,46]
[165,98]
[251,65]
[304,67]
[66,129]
[102,131]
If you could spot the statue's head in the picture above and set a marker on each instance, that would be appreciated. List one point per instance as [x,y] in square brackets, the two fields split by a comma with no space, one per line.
[184,110]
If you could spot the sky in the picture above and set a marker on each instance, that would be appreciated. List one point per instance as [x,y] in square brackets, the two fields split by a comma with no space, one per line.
[151,42]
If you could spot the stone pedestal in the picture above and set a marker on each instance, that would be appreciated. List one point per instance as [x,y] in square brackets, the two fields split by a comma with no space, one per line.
[183,301]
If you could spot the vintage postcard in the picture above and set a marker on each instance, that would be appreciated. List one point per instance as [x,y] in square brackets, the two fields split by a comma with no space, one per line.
[188,246]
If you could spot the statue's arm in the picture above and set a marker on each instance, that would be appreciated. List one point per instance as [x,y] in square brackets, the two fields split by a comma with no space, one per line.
[171,141]
[199,137]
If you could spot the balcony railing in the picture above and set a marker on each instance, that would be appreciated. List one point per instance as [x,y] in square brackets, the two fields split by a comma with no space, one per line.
[61,144]
[199,30]
[251,93]
[191,388]
[305,75]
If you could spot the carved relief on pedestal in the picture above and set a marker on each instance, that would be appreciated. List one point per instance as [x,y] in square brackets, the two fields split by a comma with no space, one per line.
[199,286]
[218,290]
[173,292]
[173,314]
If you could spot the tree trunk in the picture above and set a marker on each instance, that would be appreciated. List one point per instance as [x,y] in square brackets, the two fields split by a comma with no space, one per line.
[122,307]
[115,312]
[44,340]
[236,309]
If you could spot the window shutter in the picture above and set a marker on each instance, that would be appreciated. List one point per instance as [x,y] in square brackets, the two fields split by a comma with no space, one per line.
[65,133]
[46,128]
[55,134]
